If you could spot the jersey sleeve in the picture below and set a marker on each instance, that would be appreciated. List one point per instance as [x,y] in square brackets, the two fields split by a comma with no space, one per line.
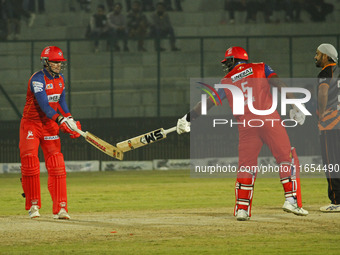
[269,72]
[324,77]
[37,87]
[63,105]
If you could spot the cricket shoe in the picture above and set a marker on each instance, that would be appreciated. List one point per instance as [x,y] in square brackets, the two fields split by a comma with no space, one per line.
[293,208]
[242,215]
[330,208]
[34,212]
[62,215]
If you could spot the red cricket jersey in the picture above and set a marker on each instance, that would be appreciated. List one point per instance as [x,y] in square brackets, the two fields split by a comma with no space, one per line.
[255,76]
[45,94]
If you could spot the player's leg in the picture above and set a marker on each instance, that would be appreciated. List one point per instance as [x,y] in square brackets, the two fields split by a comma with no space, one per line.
[55,165]
[30,166]
[278,142]
[330,150]
[250,146]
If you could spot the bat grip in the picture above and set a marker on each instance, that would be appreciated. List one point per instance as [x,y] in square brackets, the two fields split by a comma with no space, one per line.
[167,131]
[82,133]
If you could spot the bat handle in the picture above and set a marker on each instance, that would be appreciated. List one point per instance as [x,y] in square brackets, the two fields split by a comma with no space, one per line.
[167,131]
[82,133]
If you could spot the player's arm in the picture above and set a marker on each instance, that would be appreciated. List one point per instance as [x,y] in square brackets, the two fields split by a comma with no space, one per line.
[275,81]
[37,86]
[67,125]
[183,124]
[322,99]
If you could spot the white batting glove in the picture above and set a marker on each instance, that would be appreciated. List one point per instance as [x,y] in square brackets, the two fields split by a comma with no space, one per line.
[297,115]
[183,126]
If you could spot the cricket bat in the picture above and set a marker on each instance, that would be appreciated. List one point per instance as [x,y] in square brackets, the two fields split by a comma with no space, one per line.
[145,139]
[101,145]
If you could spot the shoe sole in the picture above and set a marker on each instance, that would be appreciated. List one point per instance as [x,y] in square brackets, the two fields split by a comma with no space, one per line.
[324,211]
[289,211]
[243,219]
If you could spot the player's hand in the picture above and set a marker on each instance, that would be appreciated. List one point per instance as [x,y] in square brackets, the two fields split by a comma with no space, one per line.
[183,126]
[297,115]
[67,125]
[76,134]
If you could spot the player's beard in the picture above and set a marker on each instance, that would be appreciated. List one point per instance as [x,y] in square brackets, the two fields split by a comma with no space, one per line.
[318,63]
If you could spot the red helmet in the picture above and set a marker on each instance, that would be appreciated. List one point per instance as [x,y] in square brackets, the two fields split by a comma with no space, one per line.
[236,53]
[52,53]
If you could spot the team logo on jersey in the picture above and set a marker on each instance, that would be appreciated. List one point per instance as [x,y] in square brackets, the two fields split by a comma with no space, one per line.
[53,98]
[49,86]
[30,135]
[241,75]
[37,86]
[60,85]
[49,138]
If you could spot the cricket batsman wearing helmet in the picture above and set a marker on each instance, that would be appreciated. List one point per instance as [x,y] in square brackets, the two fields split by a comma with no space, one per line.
[40,125]
[241,74]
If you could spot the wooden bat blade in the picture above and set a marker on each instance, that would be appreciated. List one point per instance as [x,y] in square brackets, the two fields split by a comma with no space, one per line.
[105,147]
[145,139]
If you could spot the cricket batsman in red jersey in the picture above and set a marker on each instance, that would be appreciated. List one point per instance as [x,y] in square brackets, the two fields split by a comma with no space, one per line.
[40,125]
[241,74]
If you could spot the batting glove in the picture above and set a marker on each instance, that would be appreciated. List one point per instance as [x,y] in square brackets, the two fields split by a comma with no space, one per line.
[183,126]
[297,115]
[76,134]
[67,125]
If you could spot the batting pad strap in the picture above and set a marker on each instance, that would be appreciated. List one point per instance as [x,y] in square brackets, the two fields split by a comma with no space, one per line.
[285,180]
[241,201]
[290,194]
[244,186]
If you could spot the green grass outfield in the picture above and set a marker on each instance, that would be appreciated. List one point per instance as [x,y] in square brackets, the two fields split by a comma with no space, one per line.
[165,212]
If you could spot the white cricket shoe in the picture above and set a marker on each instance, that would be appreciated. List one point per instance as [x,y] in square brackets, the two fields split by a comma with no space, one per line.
[34,212]
[62,215]
[330,208]
[293,208]
[242,215]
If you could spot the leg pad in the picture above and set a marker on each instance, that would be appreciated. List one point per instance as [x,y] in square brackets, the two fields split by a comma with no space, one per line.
[30,171]
[57,181]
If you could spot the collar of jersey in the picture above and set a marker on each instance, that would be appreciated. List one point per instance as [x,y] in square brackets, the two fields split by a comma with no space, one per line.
[331,64]
[239,63]
[49,75]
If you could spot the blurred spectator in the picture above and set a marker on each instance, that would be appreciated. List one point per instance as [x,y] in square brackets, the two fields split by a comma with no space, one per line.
[117,26]
[161,26]
[231,6]
[29,5]
[110,4]
[318,10]
[168,5]
[85,5]
[147,6]
[292,9]
[15,10]
[3,20]
[98,27]
[137,24]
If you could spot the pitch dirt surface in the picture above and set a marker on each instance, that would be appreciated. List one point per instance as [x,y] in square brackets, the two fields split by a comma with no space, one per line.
[165,213]
[157,227]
